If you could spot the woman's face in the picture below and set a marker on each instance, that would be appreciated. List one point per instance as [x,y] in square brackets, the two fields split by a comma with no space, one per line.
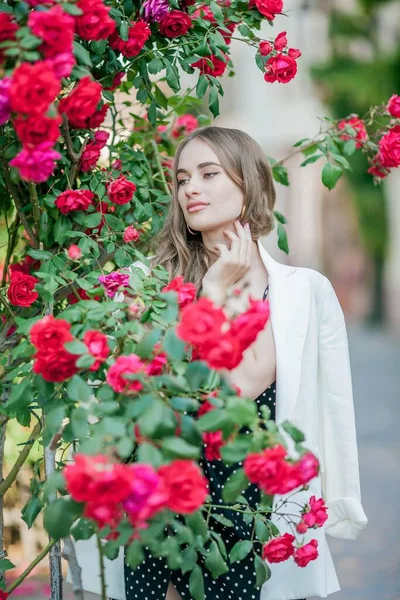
[201,179]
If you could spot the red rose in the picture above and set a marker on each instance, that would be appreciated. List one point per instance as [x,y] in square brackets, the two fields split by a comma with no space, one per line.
[270,471]
[104,514]
[27,265]
[98,347]
[120,191]
[50,334]
[55,28]
[156,366]
[37,129]
[71,200]
[377,170]
[138,35]
[305,554]
[21,291]
[175,23]
[246,327]
[95,22]
[269,8]
[213,442]
[33,88]
[81,103]
[185,484]
[359,127]
[218,65]
[306,468]
[8,28]
[130,234]
[95,478]
[55,366]
[279,549]
[225,352]
[118,77]
[280,41]
[280,68]
[125,365]
[393,106]
[90,156]
[97,117]
[3,595]
[204,12]
[265,48]
[186,291]
[200,322]
[389,148]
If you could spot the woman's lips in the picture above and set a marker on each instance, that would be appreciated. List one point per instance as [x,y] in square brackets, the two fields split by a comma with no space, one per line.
[197,208]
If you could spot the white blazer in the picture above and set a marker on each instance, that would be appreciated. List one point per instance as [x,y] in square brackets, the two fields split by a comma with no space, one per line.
[314,392]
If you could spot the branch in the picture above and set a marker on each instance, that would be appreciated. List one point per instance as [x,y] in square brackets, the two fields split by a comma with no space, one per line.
[30,567]
[35,206]
[18,205]
[70,556]
[23,455]
[297,151]
[75,156]
[10,247]
[160,168]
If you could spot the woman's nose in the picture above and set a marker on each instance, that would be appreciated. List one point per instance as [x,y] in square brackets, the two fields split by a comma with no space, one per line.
[191,188]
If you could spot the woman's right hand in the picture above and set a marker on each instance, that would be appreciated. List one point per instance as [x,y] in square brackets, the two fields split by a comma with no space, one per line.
[232,264]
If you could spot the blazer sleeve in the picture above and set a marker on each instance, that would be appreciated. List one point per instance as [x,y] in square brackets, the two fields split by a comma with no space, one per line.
[338,442]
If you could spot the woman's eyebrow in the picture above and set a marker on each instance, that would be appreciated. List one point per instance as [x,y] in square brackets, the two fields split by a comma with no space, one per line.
[199,166]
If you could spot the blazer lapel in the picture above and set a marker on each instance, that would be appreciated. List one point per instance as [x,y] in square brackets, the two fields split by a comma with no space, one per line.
[290,298]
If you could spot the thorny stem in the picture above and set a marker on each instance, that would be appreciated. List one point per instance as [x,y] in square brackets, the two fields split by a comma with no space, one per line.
[30,567]
[159,165]
[35,206]
[14,193]
[10,247]
[23,455]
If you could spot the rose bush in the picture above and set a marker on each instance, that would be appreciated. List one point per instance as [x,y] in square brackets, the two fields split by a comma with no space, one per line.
[134,387]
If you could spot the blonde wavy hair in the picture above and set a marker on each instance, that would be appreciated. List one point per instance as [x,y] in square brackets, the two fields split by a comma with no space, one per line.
[243,160]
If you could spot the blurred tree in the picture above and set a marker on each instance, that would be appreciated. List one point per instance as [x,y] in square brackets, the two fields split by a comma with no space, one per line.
[357,75]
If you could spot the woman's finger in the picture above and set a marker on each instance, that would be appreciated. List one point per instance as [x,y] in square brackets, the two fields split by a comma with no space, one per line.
[235,245]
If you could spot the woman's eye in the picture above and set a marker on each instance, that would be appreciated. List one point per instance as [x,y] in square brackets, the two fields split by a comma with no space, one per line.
[181,181]
[210,174]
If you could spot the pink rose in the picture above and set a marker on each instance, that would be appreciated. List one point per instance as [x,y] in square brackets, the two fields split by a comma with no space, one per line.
[279,549]
[269,8]
[74,252]
[36,164]
[280,68]
[186,291]
[98,347]
[265,48]
[130,234]
[280,41]
[393,106]
[125,365]
[71,200]
[389,148]
[359,127]
[113,281]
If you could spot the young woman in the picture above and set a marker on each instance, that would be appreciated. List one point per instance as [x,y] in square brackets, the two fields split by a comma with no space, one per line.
[223,201]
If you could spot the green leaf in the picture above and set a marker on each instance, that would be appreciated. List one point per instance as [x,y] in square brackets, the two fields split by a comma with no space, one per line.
[213,420]
[158,420]
[196,375]
[240,550]
[223,520]
[184,404]
[196,584]
[145,348]
[114,223]
[197,524]
[72,9]
[349,147]
[124,31]
[213,102]
[179,448]
[262,531]
[237,450]
[147,453]
[214,561]
[189,559]
[78,390]
[134,554]
[6,565]
[21,396]
[282,239]
[76,347]
[155,66]
[173,346]
[79,422]
[280,217]
[202,85]
[331,175]
[263,572]
[280,174]
[31,510]
[241,411]
[235,486]
[39,254]
[60,515]
[30,41]
[83,529]
[311,159]
[82,55]
[122,258]
[172,76]
[296,435]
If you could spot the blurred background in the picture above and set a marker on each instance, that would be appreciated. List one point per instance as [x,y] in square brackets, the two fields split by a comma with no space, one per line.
[350,61]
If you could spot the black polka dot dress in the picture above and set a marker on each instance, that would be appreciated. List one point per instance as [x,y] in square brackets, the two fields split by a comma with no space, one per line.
[151,578]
